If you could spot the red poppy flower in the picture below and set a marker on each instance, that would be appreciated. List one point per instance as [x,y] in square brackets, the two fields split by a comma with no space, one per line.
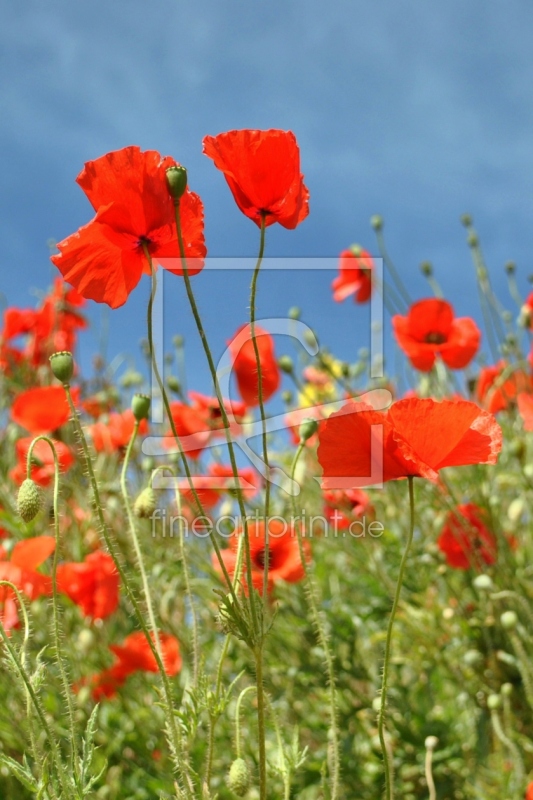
[92,584]
[21,570]
[220,480]
[284,561]
[342,507]
[203,403]
[496,392]
[41,410]
[42,468]
[135,655]
[416,437]
[525,409]
[127,188]
[466,540]
[115,434]
[430,330]
[529,792]
[193,429]
[262,169]
[355,276]
[245,365]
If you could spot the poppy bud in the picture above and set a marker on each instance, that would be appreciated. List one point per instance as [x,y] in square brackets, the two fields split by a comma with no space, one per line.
[431,742]
[507,689]
[145,504]
[140,405]
[510,267]
[509,620]
[294,312]
[356,250]
[377,222]
[176,181]
[307,429]
[239,777]
[285,364]
[472,239]
[173,384]
[29,500]
[466,220]
[494,701]
[287,396]
[426,269]
[62,365]
[483,582]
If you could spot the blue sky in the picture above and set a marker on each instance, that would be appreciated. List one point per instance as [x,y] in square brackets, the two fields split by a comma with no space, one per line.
[416,111]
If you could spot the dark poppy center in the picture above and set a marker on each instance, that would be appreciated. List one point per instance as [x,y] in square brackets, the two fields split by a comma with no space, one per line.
[259,559]
[144,240]
[434,337]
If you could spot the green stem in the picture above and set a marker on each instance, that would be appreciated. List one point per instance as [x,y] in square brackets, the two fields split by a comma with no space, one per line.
[55,609]
[389,790]
[238,719]
[258,654]
[176,748]
[323,641]
[519,771]
[188,591]
[224,415]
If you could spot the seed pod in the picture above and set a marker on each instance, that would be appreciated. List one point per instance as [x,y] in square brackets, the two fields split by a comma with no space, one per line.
[145,504]
[239,777]
[29,500]
[62,365]
[140,405]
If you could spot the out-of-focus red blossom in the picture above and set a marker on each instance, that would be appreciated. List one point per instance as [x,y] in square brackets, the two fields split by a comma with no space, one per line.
[234,409]
[496,391]
[92,584]
[430,329]
[220,480]
[245,364]
[42,468]
[115,434]
[465,539]
[21,570]
[316,376]
[284,561]
[344,506]
[525,409]
[104,260]
[135,655]
[193,427]
[41,410]
[413,438]
[97,405]
[262,169]
[529,792]
[50,328]
[355,276]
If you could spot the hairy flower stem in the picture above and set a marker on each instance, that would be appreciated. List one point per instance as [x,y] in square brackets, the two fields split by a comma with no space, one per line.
[257,622]
[514,752]
[188,591]
[175,735]
[135,539]
[168,412]
[54,749]
[311,593]
[389,790]
[55,607]
[253,295]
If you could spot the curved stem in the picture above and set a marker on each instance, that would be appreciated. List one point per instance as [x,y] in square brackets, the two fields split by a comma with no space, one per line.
[55,609]
[238,719]
[389,790]
[176,748]
[323,641]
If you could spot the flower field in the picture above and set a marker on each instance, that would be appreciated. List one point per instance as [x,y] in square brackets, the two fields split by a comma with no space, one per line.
[345,614]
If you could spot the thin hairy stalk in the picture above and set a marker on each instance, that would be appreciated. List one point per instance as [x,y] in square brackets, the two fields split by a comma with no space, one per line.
[224,415]
[523,666]
[514,752]
[428,771]
[334,747]
[238,719]
[135,539]
[172,424]
[188,592]
[253,296]
[55,606]
[168,705]
[389,790]
[395,275]
[286,773]
[213,718]
[54,750]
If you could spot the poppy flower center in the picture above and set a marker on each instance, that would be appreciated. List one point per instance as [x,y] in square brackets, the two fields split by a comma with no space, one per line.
[144,240]
[434,337]
[259,559]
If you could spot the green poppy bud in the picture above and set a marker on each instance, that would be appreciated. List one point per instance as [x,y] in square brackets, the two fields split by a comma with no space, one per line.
[377,222]
[494,701]
[145,504]
[29,500]
[509,620]
[62,365]
[239,777]
[285,364]
[140,405]
[176,181]
[173,384]
[307,429]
